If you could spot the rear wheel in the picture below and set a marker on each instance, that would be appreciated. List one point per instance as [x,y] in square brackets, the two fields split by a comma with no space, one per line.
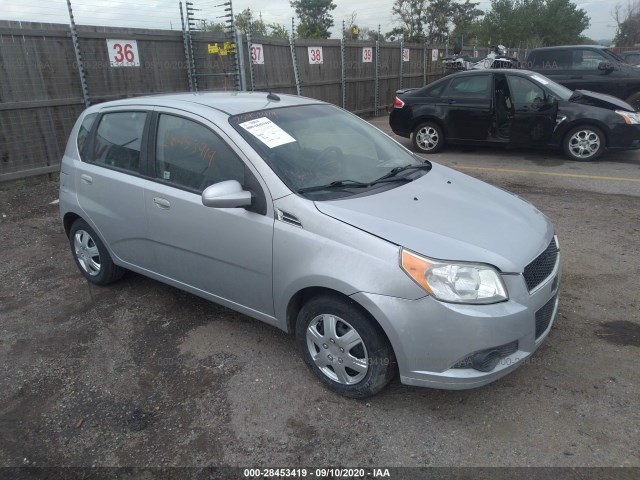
[427,138]
[91,256]
[584,143]
[344,347]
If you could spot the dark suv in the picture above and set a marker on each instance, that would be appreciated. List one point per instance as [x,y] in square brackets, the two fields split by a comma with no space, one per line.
[588,67]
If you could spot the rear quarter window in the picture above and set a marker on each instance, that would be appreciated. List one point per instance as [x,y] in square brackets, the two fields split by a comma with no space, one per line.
[83,134]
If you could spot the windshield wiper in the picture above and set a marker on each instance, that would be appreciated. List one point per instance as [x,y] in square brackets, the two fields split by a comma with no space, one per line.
[395,171]
[350,184]
[336,184]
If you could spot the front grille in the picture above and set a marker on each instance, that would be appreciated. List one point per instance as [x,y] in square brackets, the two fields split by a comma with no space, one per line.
[543,317]
[542,266]
[486,360]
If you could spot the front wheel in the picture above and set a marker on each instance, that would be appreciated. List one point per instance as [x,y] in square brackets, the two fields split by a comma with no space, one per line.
[427,138]
[585,143]
[344,347]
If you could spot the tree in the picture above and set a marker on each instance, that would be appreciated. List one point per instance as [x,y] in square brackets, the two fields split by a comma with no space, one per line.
[628,24]
[315,18]
[533,23]
[245,22]
[278,30]
[464,18]
[213,27]
[431,19]
[412,17]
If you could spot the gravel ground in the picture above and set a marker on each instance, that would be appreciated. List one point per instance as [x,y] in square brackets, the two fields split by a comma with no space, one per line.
[142,374]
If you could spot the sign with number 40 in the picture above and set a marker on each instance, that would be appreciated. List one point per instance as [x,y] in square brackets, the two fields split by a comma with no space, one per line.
[123,53]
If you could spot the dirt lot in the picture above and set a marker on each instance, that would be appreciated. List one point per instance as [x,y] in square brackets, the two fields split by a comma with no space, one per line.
[139,373]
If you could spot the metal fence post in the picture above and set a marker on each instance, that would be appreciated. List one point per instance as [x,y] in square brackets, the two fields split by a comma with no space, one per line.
[401,62]
[252,75]
[78,53]
[192,57]
[187,56]
[240,56]
[292,45]
[377,79]
[424,62]
[344,81]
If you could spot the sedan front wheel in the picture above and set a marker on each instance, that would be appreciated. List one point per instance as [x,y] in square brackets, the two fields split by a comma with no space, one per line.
[427,138]
[584,143]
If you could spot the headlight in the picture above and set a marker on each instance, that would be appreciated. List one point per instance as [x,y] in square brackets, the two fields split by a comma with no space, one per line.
[630,118]
[455,282]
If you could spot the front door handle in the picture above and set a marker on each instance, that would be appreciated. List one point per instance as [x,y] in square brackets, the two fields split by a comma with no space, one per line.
[86,179]
[162,203]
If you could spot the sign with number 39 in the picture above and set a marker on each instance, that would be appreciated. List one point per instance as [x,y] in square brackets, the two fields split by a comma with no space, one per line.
[315,55]
[123,53]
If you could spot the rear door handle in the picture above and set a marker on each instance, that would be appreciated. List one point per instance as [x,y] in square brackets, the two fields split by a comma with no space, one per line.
[86,179]
[162,203]
[450,101]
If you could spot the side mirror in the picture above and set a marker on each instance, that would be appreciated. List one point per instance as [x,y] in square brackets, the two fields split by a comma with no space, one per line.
[227,194]
[605,66]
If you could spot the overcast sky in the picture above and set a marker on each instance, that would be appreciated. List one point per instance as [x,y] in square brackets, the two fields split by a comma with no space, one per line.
[165,13]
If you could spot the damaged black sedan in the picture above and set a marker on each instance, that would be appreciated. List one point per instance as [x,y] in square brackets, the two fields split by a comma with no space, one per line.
[514,108]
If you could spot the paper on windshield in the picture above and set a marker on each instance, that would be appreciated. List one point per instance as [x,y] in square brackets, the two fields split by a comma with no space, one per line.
[543,81]
[267,132]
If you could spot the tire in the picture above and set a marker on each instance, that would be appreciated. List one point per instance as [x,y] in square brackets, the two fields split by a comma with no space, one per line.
[427,138]
[91,256]
[634,101]
[356,360]
[584,143]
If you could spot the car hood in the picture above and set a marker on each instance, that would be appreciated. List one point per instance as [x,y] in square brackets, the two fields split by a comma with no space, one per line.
[600,100]
[450,216]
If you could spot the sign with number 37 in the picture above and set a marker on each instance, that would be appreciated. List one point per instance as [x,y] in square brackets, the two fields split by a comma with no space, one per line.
[123,53]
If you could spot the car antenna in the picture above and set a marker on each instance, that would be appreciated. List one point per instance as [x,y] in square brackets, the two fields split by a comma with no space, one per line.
[270,96]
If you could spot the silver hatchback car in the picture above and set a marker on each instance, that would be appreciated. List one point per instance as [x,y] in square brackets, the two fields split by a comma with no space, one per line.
[302,215]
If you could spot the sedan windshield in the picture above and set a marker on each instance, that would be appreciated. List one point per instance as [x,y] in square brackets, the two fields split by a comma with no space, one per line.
[324,152]
[557,90]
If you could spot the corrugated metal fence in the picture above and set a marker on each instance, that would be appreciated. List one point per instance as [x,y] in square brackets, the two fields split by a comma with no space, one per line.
[41,80]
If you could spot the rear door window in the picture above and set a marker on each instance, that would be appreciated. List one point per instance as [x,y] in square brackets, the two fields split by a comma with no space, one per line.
[118,140]
[550,60]
[470,86]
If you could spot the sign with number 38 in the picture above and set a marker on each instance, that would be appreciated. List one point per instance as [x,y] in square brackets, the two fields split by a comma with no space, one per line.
[123,53]
[315,55]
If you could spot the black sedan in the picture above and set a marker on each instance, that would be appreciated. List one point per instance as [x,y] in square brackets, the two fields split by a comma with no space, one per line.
[514,108]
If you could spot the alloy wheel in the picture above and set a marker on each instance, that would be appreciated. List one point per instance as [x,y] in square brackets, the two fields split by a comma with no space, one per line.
[87,253]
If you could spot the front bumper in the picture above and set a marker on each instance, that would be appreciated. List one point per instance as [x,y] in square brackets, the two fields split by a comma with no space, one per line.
[430,337]
[624,137]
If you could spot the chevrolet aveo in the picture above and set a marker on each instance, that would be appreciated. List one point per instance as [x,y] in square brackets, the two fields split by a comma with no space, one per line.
[302,215]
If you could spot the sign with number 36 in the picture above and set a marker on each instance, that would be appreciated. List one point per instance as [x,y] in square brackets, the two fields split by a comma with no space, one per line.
[123,53]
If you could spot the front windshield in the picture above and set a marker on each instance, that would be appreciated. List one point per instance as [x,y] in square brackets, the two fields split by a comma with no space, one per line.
[557,90]
[311,146]
[614,55]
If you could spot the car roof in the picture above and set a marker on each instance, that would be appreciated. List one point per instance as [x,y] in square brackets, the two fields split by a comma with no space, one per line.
[231,103]
[562,47]
[492,70]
